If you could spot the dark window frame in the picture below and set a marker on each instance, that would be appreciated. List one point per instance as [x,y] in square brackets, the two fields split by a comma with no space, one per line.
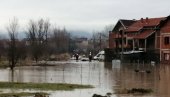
[166,40]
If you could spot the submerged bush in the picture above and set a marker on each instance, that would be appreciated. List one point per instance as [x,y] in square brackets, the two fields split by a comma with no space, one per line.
[140,90]
[134,91]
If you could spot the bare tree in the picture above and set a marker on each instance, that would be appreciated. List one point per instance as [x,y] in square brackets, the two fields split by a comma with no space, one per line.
[2,48]
[61,40]
[99,39]
[46,30]
[37,35]
[47,36]
[12,50]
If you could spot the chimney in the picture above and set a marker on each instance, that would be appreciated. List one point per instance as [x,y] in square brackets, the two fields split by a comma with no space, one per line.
[141,20]
[147,19]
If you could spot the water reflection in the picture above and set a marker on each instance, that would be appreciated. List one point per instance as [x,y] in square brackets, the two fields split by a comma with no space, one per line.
[103,76]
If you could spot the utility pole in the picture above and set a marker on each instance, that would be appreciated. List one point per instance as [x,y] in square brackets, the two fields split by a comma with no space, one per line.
[121,32]
[100,41]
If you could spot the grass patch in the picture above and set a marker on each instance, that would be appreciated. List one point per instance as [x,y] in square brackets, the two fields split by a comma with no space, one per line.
[39,94]
[42,86]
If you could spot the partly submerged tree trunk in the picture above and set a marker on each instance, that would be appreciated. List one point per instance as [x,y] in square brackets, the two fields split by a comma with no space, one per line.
[12,50]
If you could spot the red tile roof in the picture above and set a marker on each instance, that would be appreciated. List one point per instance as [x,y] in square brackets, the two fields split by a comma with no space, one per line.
[148,22]
[144,34]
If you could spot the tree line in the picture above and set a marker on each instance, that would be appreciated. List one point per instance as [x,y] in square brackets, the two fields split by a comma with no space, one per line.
[41,41]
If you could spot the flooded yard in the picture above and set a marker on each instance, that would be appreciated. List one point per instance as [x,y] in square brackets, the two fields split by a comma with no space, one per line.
[103,76]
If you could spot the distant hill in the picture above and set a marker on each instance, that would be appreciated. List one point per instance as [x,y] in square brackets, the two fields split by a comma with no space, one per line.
[80,34]
[3,35]
[22,35]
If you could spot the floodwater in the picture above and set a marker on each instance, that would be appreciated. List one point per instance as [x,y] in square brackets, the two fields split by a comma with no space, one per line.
[104,76]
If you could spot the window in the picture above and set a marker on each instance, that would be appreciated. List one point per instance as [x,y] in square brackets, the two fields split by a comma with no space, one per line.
[166,41]
[166,56]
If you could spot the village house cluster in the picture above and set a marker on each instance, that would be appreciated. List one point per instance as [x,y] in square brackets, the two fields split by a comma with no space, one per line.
[145,34]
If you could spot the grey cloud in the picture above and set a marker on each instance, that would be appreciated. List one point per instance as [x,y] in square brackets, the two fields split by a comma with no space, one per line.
[82,14]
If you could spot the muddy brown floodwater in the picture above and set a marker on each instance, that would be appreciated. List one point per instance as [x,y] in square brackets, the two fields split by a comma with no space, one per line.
[105,77]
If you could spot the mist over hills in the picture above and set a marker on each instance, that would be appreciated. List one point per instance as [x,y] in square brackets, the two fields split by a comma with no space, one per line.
[81,34]
[3,35]
[21,35]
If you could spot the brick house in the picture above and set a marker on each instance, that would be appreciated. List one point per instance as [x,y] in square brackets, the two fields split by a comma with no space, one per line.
[147,35]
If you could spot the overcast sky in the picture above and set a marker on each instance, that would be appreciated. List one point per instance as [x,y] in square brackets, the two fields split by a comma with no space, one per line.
[85,15]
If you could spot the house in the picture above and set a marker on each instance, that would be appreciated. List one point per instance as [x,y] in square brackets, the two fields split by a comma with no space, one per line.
[147,35]
[82,44]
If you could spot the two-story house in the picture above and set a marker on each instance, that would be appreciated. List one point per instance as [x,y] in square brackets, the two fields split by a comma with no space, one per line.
[147,35]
